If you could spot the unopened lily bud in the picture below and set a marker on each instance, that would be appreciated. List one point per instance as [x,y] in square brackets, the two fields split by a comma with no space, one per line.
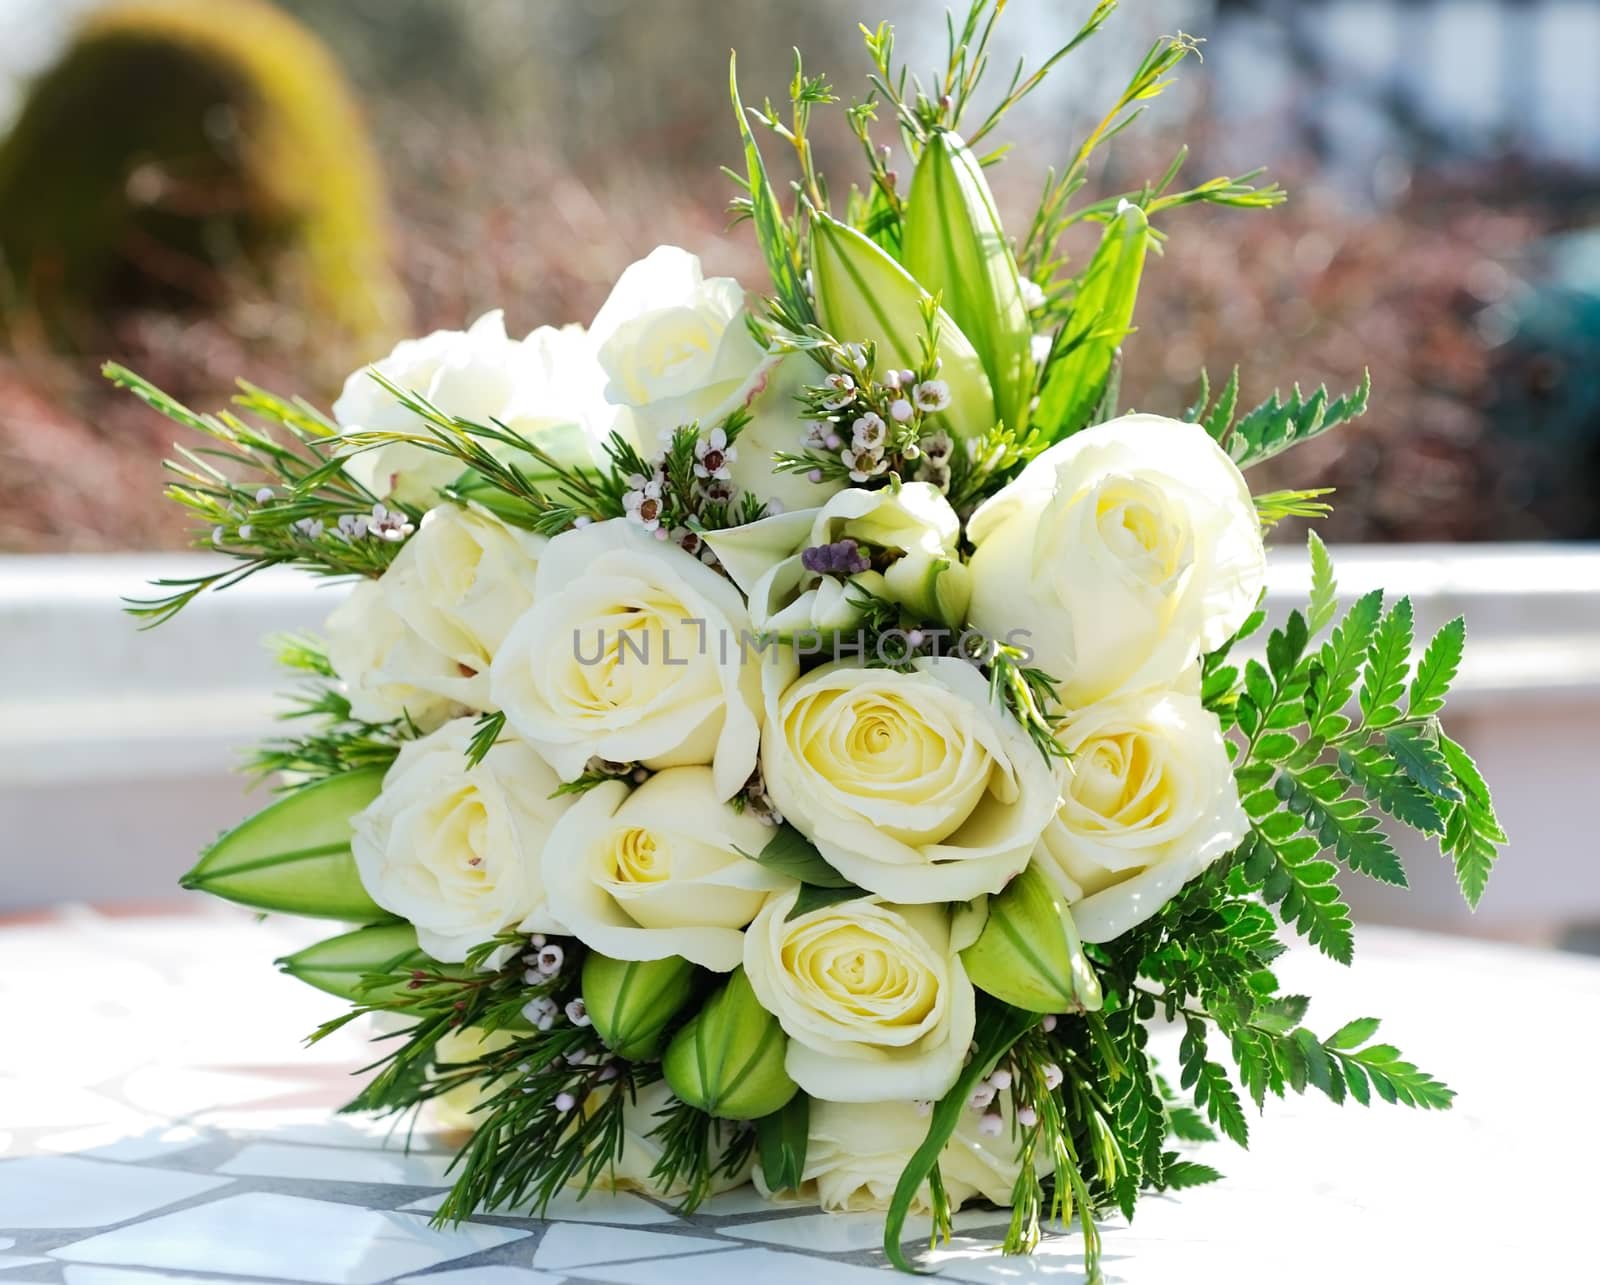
[863,294]
[1029,955]
[728,1060]
[630,1002]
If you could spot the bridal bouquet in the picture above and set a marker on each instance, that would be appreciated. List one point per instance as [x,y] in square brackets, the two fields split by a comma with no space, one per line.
[800,737]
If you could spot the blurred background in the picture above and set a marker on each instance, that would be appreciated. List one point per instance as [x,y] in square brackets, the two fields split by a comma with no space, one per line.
[207,189]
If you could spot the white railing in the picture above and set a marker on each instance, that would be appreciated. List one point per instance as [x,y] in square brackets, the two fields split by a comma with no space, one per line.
[116,746]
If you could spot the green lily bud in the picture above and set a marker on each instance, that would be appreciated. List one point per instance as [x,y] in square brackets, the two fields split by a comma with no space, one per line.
[294,857]
[1028,954]
[865,296]
[338,964]
[631,1001]
[728,1060]
[956,248]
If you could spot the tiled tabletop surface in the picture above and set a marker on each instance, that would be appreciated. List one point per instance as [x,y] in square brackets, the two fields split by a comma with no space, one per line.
[159,1122]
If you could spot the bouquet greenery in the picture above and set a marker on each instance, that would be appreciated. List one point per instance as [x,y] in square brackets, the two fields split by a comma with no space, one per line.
[802,739]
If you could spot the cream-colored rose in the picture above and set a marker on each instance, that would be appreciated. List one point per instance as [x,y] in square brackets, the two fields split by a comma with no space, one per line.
[546,387]
[460,583]
[905,540]
[1148,803]
[659,871]
[856,1153]
[631,1171]
[455,848]
[675,347]
[913,785]
[631,651]
[873,996]
[385,669]
[1125,552]
[458,1108]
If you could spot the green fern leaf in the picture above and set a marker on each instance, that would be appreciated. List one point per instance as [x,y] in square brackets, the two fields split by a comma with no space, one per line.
[1437,669]
[1388,662]
[1276,425]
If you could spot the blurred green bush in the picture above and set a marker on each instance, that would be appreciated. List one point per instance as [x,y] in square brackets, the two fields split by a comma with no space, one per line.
[178,150]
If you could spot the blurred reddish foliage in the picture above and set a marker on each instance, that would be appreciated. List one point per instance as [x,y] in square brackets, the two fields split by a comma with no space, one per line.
[1305,293]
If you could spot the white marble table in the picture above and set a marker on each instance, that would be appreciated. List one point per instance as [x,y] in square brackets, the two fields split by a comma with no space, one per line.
[159,1122]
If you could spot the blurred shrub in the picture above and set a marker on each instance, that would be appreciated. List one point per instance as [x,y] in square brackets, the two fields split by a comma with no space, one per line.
[179,147]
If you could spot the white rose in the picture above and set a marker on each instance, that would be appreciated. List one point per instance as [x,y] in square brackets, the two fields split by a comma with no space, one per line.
[631,651]
[460,583]
[1148,803]
[776,426]
[1125,552]
[911,530]
[856,1152]
[675,347]
[386,670]
[633,1169]
[659,871]
[546,387]
[458,1109]
[873,997]
[912,785]
[455,848]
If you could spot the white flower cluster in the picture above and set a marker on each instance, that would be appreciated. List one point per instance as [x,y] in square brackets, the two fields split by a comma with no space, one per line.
[1118,557]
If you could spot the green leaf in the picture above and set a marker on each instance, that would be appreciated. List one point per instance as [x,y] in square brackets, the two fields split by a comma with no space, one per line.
[1338,665]
[772,232]
[1437,670]
[1472,832]
[1276,425]
[956,248]
[1343,824]
[1189,1126]
[1290,877]
[1181,1174]
[1395,1080]
[294,856]
[1388,661]
[1419,758]
[999,1027]
[1324,588]
[782,1138]
[1382,781]
[1212,1088]
[1102,311]
[1220,418]
[1353,1033]
[790,853]
[811,897]
[339,964]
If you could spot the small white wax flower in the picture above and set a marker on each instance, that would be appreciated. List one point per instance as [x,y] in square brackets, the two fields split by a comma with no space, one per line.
[1032,294]
[551,958]
[565,1102]
[981,1097]
[246,531]
[842,392]
[1049,1023]
[991,1125]
[931,395]
[1052,1076]
[1001,1079]
[901,409]
[264,495]
[578,1013]
[869,431]
[1027,1117]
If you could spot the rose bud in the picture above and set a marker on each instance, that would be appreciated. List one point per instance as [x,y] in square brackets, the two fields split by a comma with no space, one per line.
[631,1002]
[1028,954]
[728,1060]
